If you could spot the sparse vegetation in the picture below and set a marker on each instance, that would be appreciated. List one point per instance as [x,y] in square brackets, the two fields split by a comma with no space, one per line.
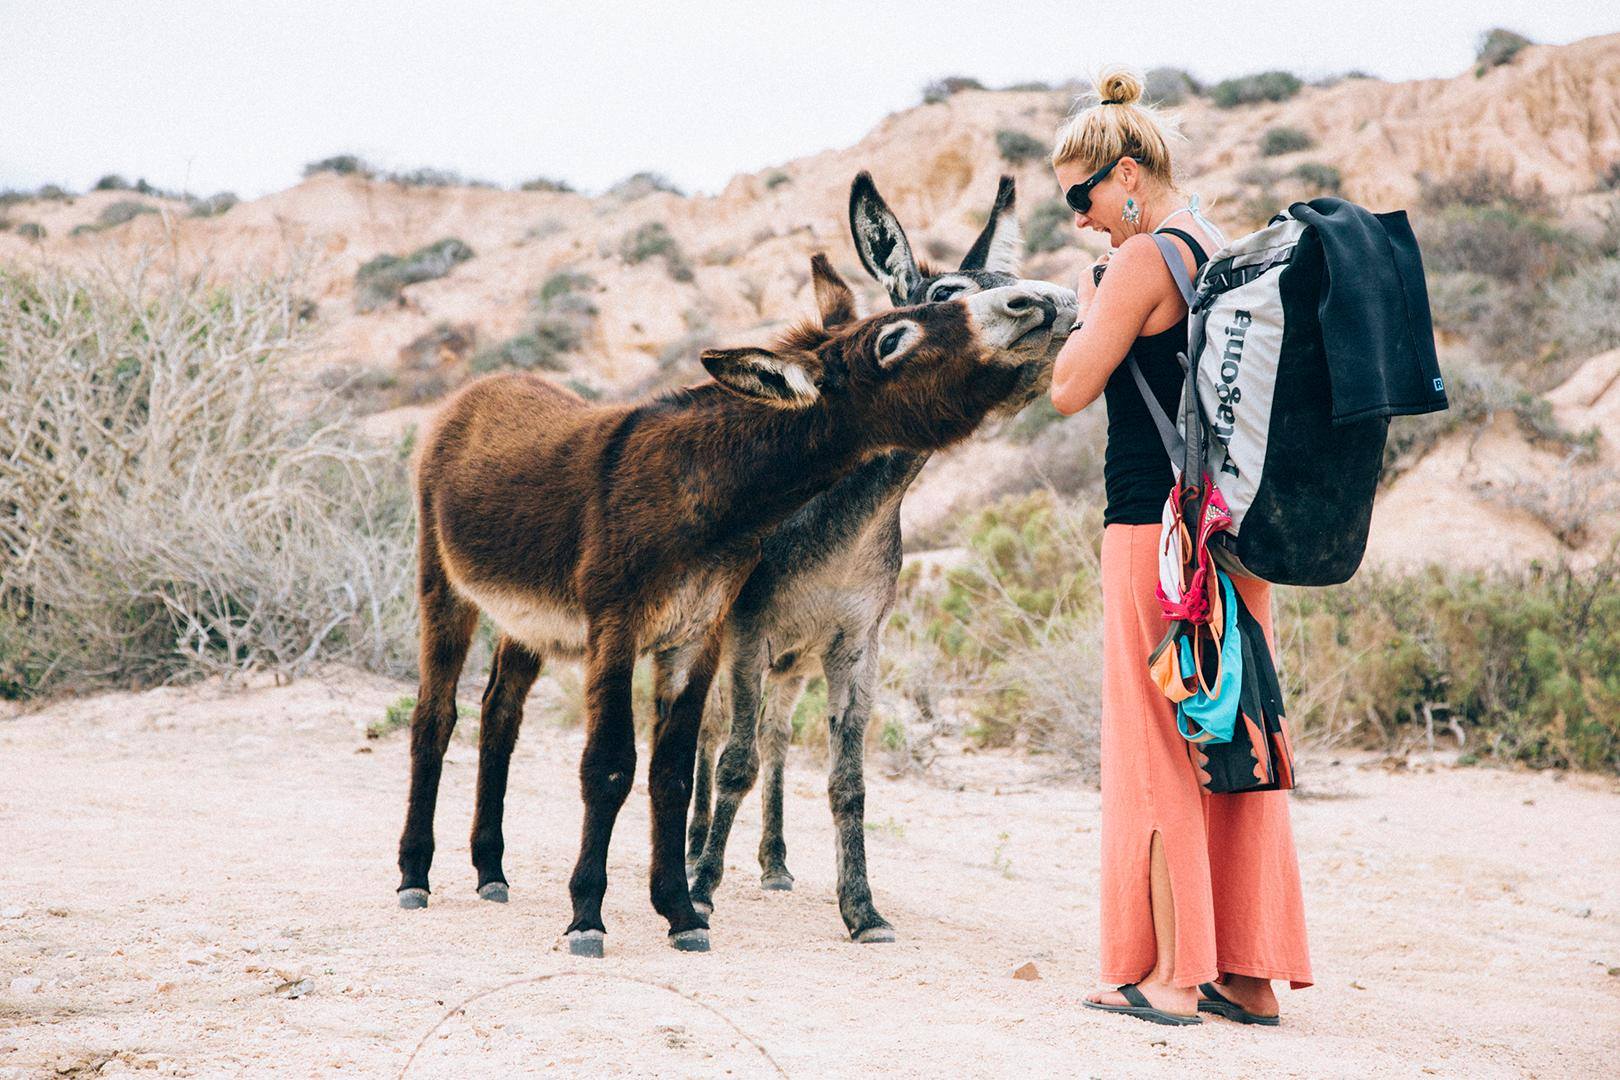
[1317,175]
[546,183]
[640,185]
[1498,46]
[563,313]
[1585,308]
[1517,665]
[940,89]
[213,205]
[540,349]
[653,240]
[1251,89]
[1169,86]
[1514,665]
[397,717]
[1284,140]
[341,165]
[1017,147]
[1014,633]
[1050,227]
[379,282]
[162,514]
[30,230]
[776,178]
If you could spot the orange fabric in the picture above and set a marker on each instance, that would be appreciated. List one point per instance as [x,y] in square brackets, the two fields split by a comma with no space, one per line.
[1233,873]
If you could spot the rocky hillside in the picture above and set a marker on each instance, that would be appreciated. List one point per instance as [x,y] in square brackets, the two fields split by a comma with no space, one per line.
[618,292]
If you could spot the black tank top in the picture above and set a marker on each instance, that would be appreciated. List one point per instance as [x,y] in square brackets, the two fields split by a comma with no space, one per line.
[1136,469]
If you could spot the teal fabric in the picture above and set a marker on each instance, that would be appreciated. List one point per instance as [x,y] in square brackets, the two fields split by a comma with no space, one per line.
[1202,718]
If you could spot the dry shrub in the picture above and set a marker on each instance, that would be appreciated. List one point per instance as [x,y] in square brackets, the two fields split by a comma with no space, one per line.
[164,513]
[1010,641]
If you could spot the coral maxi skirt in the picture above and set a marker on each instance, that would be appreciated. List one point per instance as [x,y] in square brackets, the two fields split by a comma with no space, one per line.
[1234,878]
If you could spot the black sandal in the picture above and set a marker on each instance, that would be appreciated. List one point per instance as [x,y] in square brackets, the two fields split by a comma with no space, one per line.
[1213,1001]
[1140,1008]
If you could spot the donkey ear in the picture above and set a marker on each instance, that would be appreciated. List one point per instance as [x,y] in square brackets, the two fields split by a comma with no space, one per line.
[761,375]
[880,241]
[1002,242]
[834,300]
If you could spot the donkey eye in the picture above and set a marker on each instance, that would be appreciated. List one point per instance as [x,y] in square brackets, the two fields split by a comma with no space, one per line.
[891,341]
[945,292]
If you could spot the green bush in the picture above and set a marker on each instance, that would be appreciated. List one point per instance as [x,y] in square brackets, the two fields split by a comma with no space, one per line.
[653,240]
[1317,175]
[1249,89]
[378,282]
[542,348]
[1014,632]
[31,230]
[563,312]
[341,165]
[1521,662]
[546,183]
[111,182]
[1169,86]
[1284,140]
[1498,46]
[776,178]
[1017,147]
[1050,227]
[124,210]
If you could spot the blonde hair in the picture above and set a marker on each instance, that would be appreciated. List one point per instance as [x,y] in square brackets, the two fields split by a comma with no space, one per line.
[1117,126]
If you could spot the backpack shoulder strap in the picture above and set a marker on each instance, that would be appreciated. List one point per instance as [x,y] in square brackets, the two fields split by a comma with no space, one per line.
[1197,249]
[1173,263]
[1173,443]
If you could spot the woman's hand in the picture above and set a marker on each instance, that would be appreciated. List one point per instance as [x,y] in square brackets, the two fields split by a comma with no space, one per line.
[1086,287]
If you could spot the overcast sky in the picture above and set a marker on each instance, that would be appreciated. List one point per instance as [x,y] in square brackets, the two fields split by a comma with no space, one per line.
[237,96]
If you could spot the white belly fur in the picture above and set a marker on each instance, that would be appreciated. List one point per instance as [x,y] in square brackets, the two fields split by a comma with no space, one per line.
[545,629]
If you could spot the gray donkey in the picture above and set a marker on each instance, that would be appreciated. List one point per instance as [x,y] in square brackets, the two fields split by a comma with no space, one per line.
[822,591]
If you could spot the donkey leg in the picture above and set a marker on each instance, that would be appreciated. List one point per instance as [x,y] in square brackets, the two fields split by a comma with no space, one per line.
[739,765]
[775,732]
[606,771]
[703,782]
[448,623]
[850,677]
[683,679]
[511,674]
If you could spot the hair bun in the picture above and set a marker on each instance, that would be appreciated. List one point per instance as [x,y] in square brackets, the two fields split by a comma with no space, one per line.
[1120,86]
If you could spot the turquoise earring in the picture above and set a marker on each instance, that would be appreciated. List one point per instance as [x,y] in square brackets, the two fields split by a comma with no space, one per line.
[1132,213]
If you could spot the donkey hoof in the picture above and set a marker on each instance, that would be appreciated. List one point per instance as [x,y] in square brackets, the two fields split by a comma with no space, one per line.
[703,907]
[411,899]
[494,891]
[585,942]
[690,940]
[874,935]
[777,882]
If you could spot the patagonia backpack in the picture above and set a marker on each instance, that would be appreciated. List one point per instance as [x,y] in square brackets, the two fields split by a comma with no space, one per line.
[1304,338]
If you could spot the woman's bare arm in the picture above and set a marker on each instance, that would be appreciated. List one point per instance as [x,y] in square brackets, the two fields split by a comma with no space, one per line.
[1135,285]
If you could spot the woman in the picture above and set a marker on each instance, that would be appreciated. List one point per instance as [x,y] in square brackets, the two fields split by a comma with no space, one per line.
[1201,903]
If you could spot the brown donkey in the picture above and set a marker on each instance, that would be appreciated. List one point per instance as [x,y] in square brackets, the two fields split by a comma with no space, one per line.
[605,531]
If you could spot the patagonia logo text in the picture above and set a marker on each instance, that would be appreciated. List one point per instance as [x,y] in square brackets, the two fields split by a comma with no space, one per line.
[1227,393]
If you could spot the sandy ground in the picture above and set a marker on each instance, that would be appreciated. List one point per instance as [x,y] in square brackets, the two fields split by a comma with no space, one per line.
[172,858]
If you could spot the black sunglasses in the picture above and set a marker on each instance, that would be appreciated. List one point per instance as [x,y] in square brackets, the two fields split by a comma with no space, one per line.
[1079,196]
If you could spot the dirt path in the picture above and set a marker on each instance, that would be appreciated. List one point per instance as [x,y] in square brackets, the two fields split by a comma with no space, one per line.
[171,858]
